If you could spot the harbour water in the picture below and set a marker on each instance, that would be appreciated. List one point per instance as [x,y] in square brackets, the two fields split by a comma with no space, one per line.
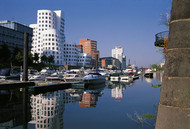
[113,105]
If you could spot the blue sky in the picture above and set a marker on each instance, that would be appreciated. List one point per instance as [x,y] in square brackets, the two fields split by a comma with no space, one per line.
[131,24]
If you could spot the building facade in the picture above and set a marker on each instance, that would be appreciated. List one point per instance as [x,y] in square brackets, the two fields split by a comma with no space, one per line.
[110,62]
[48,35]
[70,54]
[12,34]
[118,53]
[84,60]
[90,47]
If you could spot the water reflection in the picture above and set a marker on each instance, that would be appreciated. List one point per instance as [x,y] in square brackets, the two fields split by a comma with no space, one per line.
[117,88]
[11,109]
[64,108]
[88,100]
[47,110]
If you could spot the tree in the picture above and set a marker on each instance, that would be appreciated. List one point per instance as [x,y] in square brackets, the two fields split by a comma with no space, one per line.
[5,54]
[30,58]
[51,59]
[19,59]
[36,57]
[13,57]
[44,59]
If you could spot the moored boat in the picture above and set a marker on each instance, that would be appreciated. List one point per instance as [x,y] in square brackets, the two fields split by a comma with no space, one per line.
[72,77]
[115,77]
[93,78]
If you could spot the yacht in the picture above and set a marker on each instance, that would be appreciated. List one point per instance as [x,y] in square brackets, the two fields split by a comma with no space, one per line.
[37,77]
[72,77]
[115,77]
[126,77]
[93,78]
[148,73]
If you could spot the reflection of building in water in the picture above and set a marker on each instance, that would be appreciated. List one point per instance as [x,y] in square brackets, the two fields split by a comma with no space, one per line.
[148,80]
[11,109]
[88,100]
[159,76]
[117,92]
[47,109]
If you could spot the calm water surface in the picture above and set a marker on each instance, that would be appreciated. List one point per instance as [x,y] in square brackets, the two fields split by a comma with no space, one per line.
[113,106]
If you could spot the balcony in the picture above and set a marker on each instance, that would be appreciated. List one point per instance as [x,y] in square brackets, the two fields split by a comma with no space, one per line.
[160,38]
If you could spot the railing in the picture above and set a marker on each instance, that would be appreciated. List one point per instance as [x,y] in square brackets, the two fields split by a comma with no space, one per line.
[160,38]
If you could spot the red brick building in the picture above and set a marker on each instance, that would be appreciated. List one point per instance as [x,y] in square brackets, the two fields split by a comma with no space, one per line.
[90,47]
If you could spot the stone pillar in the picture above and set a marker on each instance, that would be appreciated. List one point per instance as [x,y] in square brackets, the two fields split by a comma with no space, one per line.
[174,105]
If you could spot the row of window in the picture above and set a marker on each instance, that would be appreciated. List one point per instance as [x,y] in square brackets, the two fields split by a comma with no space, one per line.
[44,13]
[45,21]
[45,25]
[45,18]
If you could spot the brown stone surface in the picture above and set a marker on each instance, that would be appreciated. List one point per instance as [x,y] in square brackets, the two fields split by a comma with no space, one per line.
[174,92]
[172,118]
[180,9]
[177,63]
[179,35]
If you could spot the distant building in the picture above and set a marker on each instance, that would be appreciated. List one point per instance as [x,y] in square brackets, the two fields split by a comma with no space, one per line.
[80,47]
[118,53]
[90,47]
[110,62]
[12,34]
[48,35]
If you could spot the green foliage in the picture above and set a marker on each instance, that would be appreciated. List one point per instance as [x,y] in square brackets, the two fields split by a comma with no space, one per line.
[44,59]
[156,86]
[157,67]
[30,59]
[19,59]
[188,94]
[149,116]
[51,59]
[5,55]
[36,57]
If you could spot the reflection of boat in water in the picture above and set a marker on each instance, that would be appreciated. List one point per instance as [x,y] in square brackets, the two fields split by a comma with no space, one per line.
[93,78]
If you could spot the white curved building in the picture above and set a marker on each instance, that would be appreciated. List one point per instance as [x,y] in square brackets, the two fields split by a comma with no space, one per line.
[70,53]
[48,35]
